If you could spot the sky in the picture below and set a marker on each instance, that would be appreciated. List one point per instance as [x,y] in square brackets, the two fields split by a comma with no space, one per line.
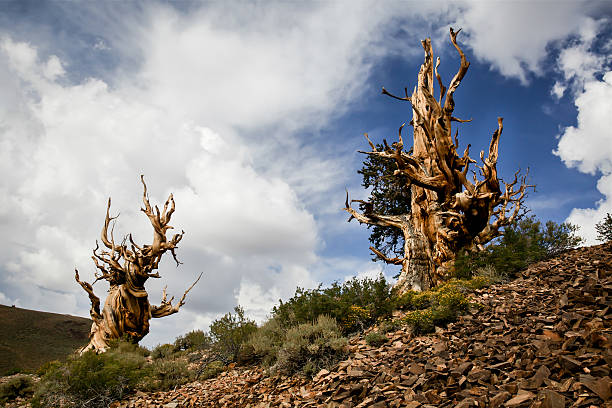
[251,114]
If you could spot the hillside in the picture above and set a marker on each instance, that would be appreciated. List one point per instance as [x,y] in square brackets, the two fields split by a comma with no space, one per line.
[542,340]
[30,338]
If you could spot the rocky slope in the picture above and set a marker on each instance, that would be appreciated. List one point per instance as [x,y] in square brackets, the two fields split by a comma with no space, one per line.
[543,340]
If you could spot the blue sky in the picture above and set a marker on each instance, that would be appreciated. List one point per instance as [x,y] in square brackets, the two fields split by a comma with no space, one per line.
[252,115]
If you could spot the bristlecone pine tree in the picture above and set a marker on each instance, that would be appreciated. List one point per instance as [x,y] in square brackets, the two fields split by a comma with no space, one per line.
[126,267]
[448,212]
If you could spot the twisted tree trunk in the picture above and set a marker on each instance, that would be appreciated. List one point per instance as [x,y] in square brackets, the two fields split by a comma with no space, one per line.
[127,267]
[448,212]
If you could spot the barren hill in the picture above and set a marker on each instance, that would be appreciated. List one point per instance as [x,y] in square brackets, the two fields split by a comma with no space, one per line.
[543,340]
[30,338]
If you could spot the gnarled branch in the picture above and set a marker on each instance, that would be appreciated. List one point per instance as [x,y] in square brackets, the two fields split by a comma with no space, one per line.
[166,308]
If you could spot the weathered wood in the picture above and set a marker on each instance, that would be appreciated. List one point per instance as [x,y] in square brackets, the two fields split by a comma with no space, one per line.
[449,213]
[126,267]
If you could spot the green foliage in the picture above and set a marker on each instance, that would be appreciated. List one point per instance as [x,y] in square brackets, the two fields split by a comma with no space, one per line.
[49,365]
[92,380]
[488,274]
[388,325]
[267,340]
[604,228]
[310,347]
[421,321]
[194,340]
[165,374]
[18,386]
[436,307]
[126,346]
[229,333]
[211,370]
[390,196]
[163,351]
[356,304]
[375,339]
[524,242]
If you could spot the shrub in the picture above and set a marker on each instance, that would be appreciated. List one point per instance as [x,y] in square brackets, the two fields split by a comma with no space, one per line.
[375,339]
[211,370]
[49,365]
[523,242]
[18,386]
[436,307]
[604,228]
[92,380]
[388,326]
[267,340]
[165,374]
[485,275]
[355,304]
[421,321]
[194,340]
[163,351]
[229,333]
[310,347]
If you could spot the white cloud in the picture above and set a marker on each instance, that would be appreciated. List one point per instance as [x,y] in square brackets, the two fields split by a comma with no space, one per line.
[91,141]
[198,115]
[588,147]
[514,36]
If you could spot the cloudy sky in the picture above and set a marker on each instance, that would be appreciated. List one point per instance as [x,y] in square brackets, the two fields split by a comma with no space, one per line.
[251,114]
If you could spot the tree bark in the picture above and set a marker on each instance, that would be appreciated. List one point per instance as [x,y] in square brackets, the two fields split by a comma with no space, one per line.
[449,213]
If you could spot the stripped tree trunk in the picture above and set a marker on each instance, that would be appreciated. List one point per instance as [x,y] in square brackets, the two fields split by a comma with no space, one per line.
[448,212]
[127,267]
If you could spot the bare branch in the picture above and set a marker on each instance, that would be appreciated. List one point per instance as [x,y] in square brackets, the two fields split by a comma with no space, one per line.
[454,119]
[406,98]
[394,261]
[95,301]
[166,308]
[449,103]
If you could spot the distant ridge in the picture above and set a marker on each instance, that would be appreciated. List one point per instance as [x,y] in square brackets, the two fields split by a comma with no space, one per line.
[29,338]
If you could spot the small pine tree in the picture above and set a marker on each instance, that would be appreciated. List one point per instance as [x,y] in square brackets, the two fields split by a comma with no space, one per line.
[604,228]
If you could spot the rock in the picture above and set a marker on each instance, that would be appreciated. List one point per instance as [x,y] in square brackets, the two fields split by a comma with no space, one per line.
[600,386]
[552,399]
[520,399]
[499,399]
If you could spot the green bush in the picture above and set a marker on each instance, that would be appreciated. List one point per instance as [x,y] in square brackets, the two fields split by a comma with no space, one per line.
[604,228]
[375,339]
[229,333]
[194,340]
[165,374]
[487,275]
[19,386]
[355,304]
[421,321]
[310,347]
[42,370]
[523,243]
[388,325]
[163,351]
[267,340]
[436,307]
[211,370]
[92,380]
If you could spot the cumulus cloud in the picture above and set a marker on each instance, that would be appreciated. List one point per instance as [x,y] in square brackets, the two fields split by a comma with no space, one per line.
[90,142]
[588,147]
[195,115]
[513,36]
